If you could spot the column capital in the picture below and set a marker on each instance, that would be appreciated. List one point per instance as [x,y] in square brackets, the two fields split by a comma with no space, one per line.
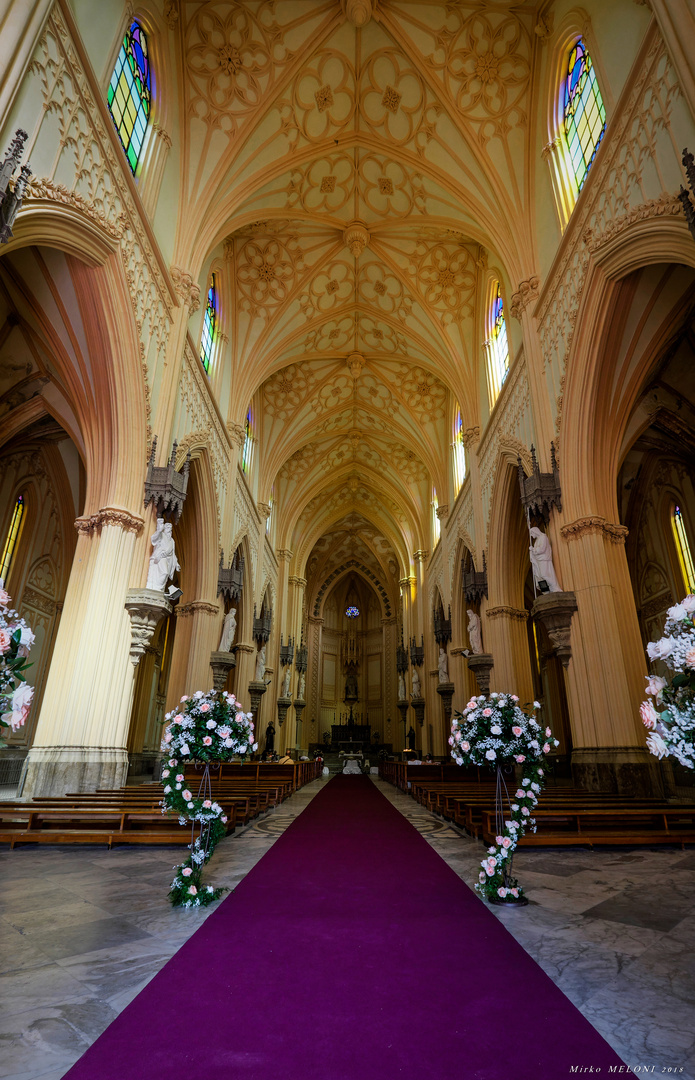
[526,293]
[504,612]
[186,288]
[195,607]
[617,534]
[421,555]
[298,582]
[236,432]
[471,436]
[285,555]
[110,515]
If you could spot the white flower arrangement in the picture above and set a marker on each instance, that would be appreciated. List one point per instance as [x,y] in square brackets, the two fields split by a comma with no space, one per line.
[495,731]
[205,727]
[16,639]
[670,717]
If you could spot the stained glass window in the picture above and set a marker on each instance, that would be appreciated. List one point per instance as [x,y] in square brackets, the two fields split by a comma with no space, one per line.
[584,112]
[436,523]
[130,93]
[248,443]
[684,553]
[459,452]
[209,325]
[498,347]
[12,538]
[352,612]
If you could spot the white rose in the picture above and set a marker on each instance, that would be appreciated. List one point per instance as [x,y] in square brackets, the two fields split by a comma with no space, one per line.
[490,755]
[657,745]
[677,612]
[659,650]
[21,700]
[688,604]
[496,730]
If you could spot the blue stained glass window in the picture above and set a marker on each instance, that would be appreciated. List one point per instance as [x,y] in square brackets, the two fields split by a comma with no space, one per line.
[209,325]
[498,359]
[352,612]
[130,93]
[585,114]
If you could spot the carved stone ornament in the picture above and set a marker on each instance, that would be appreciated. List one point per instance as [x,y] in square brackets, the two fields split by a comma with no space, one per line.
[145,607]
[540,491]
[164,486]
[446,693]
[481,664]
[503,612]
[417,652]
[355,363]
[110,515]
[299,707]
[527,292]
[230,579]
[359,12]
[471,436]
[256,692]
[221,664]
[418,704]
[187,290]
[356,237]
[286,651]
[442,628]
[554,611]
[617,534]
[283,704]
[474,582]
[262,625]
[197,607]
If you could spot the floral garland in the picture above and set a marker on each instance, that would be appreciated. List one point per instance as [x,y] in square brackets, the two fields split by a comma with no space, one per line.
[495,731]
[16,639]
[209,727]
[672,727]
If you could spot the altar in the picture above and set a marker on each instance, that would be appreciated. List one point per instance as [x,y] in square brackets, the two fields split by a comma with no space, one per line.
[351,736]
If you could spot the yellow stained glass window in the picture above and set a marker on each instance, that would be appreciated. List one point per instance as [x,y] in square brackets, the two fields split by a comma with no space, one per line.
[12,538]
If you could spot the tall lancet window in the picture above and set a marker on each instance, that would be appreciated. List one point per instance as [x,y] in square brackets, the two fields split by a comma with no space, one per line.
[459,452]
[436,523]
[248,445]
[209,325]
[584,112]
[685,556]
[12,537]
[497,346]
[129,95]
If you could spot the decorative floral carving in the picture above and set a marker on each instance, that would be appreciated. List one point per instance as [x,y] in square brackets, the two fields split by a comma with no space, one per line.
[617,534]
[504,612]
[527,292]
[110,515]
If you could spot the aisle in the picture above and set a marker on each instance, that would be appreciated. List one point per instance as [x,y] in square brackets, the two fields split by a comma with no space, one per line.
[350,952]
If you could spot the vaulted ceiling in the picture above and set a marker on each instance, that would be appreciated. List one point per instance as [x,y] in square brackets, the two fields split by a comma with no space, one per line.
[363,168]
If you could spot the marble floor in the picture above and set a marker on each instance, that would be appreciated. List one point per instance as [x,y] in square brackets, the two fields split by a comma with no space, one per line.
[83,930]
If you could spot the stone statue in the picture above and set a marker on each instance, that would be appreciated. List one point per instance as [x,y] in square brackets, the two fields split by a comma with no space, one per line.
[351,687]
[260,664]
[270,737]
[286,683]
[443,665]
[302,687]
[228,631]
[416,684]
[401,686]
[163,562]
[541,554]
[474,633]
[411,739]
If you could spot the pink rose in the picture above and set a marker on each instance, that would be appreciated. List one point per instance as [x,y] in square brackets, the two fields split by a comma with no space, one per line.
[548,732]
[186,795]
[21,702]
[649,715]
[514,697]
[690,658]
[207,804]
[502,892]
[223,819]
[4,598]
[514,892]
[516,731]
[187,871]
[180,778]
[465,746]
[207,741]
[487,712]
[498,839]
[192,890]
[546,748]
[5,640]
[506,842]
[519,758]
[205,708]
[168,737]
[521,794]
[451,740]
[490,871]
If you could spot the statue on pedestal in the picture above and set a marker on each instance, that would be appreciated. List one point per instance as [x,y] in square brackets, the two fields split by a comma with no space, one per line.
[541,555]
[474,633]
[302,687]
[401,686]
[411,738]
[260,664]
[443,665]
[351,687]
[228,631]
[163,561]
[417,692]
[286,683]
[270,737]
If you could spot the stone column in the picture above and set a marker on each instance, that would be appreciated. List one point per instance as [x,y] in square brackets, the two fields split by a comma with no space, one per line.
[605,677]
[197,634]
[245,653]
[506,637]
[313,694]
[82,731]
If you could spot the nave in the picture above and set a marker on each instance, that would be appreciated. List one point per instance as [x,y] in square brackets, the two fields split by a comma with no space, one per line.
[338,951]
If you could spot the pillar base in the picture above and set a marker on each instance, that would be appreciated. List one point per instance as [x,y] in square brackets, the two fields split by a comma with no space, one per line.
[621,770]
[57,770]
[481,664]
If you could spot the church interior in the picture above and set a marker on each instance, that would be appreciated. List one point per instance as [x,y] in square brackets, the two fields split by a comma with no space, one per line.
[347,367]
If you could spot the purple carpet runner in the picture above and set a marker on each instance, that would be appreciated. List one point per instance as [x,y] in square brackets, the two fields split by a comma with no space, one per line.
[351,951]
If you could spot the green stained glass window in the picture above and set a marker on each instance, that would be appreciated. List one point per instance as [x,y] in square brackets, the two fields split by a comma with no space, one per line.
[130,93]
[585,115]
[209,325]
